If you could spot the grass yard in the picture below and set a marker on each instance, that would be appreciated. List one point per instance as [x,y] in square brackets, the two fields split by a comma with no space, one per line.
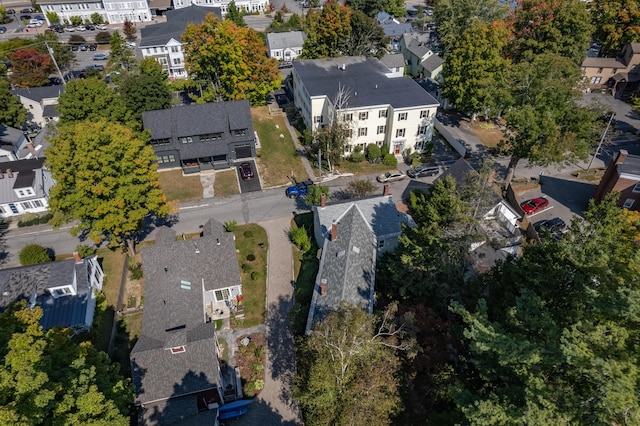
[363,167]
[487,132]
[252,246]
[305,269]
[226,183]
[278,158]
[112,262]
[178,187]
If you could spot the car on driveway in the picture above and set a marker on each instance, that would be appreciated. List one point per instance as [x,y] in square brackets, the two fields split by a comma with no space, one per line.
[100,57]
[299,189]
[423,170]
[535,205]
[391,176]
[245,171]
[556,227]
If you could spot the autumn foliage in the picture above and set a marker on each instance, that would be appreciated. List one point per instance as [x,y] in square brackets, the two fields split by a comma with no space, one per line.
[30,67]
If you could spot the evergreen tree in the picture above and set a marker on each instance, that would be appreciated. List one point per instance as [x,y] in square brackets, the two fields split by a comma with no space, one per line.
[235,15]
[13,113]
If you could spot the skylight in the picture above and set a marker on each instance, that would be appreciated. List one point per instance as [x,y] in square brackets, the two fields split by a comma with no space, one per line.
[185,285]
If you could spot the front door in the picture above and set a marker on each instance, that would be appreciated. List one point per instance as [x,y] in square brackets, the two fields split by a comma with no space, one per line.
[397,148]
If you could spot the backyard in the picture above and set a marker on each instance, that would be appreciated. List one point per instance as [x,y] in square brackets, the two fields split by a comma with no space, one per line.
[305,269]
[252,247]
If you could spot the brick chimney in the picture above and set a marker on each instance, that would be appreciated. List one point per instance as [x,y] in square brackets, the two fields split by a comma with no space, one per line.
[334,231]
[323,201]
[323,287]
[31,149]
[76,257]
[622,156]
[9,173]
[385,191]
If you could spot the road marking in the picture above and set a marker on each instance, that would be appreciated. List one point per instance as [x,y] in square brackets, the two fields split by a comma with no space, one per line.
[194,207]
[64,228]
[548,208]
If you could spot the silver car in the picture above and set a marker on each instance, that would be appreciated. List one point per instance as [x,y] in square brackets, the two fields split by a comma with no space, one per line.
[391,176]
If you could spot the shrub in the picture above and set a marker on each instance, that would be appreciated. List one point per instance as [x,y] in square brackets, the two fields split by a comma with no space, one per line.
[245,267]
[135,271]
[34,254]
[300,238]
[373,151]
[96,18]
[53,17]
[360,188]
[29,219]
[230,226]
[85,250]
[356,158]
[76,39]
[103,37]
[251,257]
[390,160]
[248,234]
[76,20]
[255,275]
[314,194]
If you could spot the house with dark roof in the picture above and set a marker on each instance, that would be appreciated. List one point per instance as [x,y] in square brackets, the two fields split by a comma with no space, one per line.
[24,187]
[201,136]
[392,27]
[421,60]
[395,62]
[377,106]
[13,143]
[620,74]
[65,290]
[285,46]
[163,41]
[174,364]
[40,103]
[622,176]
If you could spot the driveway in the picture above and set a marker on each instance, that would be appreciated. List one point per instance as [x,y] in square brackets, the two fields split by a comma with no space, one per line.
[249,185]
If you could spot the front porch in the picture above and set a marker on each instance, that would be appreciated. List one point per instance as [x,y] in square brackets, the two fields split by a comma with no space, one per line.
[197,165]
[217,310]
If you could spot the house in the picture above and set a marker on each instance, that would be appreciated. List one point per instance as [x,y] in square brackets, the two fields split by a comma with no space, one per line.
[174,364]
[111,11]
[620,74]
[392,27]
[24,187]
[623,176]
[13,144]
[65,290]
[378,107]
[285,46]
[395,62]
[163,41]
[40,103]
[421,61]
[249,6]
[201,136]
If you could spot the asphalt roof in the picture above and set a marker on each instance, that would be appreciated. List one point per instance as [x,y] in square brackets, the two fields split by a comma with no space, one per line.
[286,39]
[39,93]
[366,79]
[432,63]
[10,137]
[604,63]
[177,20]
[347,266]
[394,29]
[631,165]
[393,60]
[23,176]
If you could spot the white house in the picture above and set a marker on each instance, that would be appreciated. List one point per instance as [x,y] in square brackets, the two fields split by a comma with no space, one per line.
[163,41]
[40,103]
[421,61]
[24,187]
[111,11]
[380,107]
[12,143]
[249,6]
[285,46]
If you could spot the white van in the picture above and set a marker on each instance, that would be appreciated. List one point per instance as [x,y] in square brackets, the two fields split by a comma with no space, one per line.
[36,22]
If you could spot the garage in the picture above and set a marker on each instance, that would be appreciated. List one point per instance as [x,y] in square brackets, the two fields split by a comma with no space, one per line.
[243,152]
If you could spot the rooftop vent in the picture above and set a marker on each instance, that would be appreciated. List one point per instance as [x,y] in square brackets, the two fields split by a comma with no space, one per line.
[356,249]
[197,249]
[323,287]
[341,253]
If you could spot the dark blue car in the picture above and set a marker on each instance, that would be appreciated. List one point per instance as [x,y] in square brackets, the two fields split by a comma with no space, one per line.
[301,188]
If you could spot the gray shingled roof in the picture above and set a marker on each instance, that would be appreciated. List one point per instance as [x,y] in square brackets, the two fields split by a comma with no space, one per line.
[365,79]
[177,21]
[630,166]
[10,137]
[604,63]
[415,46]
[24,174]
[348,265]
[393,60]
[21,284]
[462,172]
[393,29]
[50,111]
[286,39]
[39,93]
[432,63]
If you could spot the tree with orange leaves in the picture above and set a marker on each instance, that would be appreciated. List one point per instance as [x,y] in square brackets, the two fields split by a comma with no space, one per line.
[30,67]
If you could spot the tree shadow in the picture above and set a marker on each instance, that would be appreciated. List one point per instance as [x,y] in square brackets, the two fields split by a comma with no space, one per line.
[572,194]
[260,413]
[281,346]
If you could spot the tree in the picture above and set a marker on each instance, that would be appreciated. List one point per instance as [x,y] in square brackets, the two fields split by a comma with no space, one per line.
[314,194]
[120,57]
[64,57]
[231,60]
[105,178]
[53,17]
[34,254]
[51,378]
[560,27]
[30,67]
[145,89]
[373,152]
[361,188]
[348,365]
[328,31]
[616,22]
[13,113]
[395,8]
[90,99]
[546,125]
[129,29]
[476,67]
[235,15]
[367,37]
[96,18]
[369,8]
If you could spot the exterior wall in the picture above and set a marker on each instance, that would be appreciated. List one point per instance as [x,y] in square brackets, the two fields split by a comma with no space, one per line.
[170,56]
[34,205]
[247,5]
[626,186]
[287,54]
[34,110]
[132,10]
[6,155]
[66,10]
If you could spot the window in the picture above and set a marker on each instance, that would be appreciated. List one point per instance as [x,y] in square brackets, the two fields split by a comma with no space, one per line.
[175,49]
[241,132]
[381,129]
[400,133]
[166,158]
[422,130]
[186,139]
[363,116]
[380,243]
[347,149]
[20,193]
[210,137]
[163,141]
[162,61]
[596,80]
[349,133]
[222,295]
[402,116]
[317,119]
[636,188]
[382,113]
[362,131]
[628,203]
[348,117]
[26,205]
[178,350]
[177,61]
[424,113]
[37,203]
[62,291]
[380,143]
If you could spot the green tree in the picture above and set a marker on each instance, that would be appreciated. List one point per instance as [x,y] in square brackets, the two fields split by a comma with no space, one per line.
[129,29]
[90,99]
[34,254]
[96,18]
[76,20]
[13,113]
[53,17]
[347,368]
[121,57]
[560,27]
[144,89]
[30,67]
[367,37]
[235,15]
[616,22]
[314,194]
[361,188]
[370,8]
[373,152]
[105,178]
[328,31]
[231,59]
[395,8]
[475,68]
[64,57]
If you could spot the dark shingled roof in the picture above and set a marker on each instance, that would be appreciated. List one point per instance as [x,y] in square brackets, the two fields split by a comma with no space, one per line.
[177,21]
[631,165]
[432,63]
[348,265]
[39,93]
[9,137]
[365,79]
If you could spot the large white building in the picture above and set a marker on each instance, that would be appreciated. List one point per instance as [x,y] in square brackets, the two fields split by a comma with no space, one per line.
[24,187]
[249,6]
[111,11]
[381,107]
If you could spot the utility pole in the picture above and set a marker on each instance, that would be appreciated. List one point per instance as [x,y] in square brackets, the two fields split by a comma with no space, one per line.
[601,140]
[55,63]
[320,162]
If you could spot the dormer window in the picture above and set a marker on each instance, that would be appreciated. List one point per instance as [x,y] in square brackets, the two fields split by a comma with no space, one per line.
[61,291]
[178,350]
[24,192]
[241,132]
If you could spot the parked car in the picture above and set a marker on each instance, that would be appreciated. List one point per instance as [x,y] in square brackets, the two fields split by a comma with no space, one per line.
[391,176]
[75,47]
[423,170]
[25,18]
[556,227]
[81,28]
[100,57]
[11,11]
[39,17]
[101,27]
[94,67]
[535,205]
[3,30]
[84,47]
[69,29]
[299,189]
[90,27]
[285,64]
[245,171]
[27,10]
[93,47]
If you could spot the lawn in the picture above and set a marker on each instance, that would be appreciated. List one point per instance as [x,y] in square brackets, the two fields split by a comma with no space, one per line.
[112,262]
[305,269]
[278,159]
[487,132]
[252,247]
[363,167]
[178,187]
[226,183]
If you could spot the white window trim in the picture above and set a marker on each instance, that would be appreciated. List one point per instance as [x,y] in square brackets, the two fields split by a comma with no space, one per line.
[628,203]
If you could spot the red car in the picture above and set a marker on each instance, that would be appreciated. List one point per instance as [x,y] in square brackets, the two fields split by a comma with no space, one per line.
[245,171]
[534,205]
